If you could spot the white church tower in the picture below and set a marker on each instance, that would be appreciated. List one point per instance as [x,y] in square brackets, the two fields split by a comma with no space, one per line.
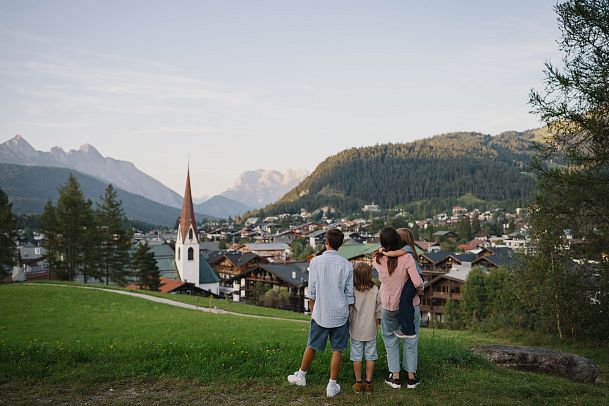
[187,240]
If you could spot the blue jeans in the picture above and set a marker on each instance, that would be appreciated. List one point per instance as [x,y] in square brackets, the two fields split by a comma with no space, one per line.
[318,337]
[363,349]
[389,323]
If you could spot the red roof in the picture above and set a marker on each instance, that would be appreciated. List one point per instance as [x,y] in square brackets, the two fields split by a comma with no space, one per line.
[473,244]
[187,217]
[168,285]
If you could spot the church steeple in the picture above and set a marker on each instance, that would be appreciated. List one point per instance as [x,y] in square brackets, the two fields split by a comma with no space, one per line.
[187,217]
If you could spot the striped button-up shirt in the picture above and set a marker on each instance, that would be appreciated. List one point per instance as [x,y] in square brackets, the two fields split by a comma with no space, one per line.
[331,286]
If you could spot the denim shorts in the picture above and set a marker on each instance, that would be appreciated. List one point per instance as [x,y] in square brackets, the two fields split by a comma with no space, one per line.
[367,349]
[318,336]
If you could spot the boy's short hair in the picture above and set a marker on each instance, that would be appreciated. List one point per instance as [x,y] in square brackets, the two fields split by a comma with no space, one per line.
[335,238]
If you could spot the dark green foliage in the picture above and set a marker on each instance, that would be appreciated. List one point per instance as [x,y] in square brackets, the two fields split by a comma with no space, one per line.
[114,237]
[73,214]
[146,268]
[571,291]
[8,224]
[440,170]
[489,300]
[50,228]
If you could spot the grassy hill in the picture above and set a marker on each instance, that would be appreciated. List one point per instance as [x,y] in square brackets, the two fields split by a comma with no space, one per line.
[29,188]
[440,169]
[62,344]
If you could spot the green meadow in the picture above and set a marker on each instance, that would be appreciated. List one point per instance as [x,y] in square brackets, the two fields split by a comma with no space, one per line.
[66,345]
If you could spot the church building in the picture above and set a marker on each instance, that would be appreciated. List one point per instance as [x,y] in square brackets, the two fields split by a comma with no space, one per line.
[192,267]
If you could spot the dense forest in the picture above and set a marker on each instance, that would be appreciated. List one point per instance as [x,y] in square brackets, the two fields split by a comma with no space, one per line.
[435,172]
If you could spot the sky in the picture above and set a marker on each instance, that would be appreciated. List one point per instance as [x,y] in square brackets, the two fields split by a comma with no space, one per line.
[241,85]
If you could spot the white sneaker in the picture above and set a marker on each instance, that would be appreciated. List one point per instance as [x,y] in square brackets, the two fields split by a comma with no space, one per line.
[297,379]
[332,389]
[399,334]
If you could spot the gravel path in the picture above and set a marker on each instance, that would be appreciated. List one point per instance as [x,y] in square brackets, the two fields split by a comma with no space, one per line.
[172,302]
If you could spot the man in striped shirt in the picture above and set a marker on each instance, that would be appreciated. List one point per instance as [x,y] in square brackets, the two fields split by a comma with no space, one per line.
[330,295]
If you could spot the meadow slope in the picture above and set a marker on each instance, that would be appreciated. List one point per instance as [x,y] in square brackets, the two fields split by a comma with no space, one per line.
[60,344]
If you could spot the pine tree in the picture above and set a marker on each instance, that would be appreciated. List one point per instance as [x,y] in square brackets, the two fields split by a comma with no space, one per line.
[115,237]
[574,195]
[8,224]
[145,267]
[91,244]
[49,226]
[71,225]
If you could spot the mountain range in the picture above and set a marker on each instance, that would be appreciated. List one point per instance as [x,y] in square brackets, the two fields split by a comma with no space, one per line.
[87,160]
[260,187]
[30,187]
[252,189]
[421,177]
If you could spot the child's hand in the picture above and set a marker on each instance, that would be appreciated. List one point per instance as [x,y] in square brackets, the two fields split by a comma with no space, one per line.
[378,323]
[381,250]
[420,290]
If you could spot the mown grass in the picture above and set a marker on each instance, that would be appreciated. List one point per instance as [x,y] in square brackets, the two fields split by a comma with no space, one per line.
[61,344]
[235,307]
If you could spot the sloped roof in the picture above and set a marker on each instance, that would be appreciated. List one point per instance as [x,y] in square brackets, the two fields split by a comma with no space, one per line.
[424,245]
[267,246]
[168,285]
[466,257]
[354,251]
[286,271]
[162,250]
[206,274]
[187,216]
[436,257]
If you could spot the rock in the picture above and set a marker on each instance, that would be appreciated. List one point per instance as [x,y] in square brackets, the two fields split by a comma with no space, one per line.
[539,359]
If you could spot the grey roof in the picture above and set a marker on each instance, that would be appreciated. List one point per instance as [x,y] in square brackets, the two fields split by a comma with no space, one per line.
[286,272]
[206,274]
[210,246]
[466,257]
[497,260]
[267,246]
[236,257]
[162,250]
[29,253]
[316,234]
[439,256]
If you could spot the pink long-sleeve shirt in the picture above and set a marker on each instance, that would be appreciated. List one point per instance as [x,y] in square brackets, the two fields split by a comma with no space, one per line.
[391,285]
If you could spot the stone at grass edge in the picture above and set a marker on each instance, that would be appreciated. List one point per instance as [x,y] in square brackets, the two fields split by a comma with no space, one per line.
[539,359]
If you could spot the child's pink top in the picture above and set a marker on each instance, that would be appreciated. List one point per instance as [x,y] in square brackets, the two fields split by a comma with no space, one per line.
[391,286]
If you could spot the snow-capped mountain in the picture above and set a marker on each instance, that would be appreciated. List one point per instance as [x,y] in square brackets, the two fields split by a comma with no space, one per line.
[88,160]
[260,187]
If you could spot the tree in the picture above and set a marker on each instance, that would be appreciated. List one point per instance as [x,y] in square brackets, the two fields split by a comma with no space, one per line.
[115,237]
[8,224]
[49,226]
[72,217]
[475,225]
[573,175]
[146,268]
[476,296]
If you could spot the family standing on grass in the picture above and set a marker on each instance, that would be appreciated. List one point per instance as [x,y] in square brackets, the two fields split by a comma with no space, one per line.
[346,306]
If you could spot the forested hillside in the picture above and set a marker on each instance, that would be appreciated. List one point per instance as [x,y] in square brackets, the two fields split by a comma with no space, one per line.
[29,188]
[437,170]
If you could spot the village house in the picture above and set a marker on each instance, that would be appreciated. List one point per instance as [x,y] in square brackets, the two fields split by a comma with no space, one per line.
[273,252]
[292,276]
[436,263]
[438,291]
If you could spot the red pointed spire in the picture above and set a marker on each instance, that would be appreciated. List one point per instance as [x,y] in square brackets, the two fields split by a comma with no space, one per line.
[187,217]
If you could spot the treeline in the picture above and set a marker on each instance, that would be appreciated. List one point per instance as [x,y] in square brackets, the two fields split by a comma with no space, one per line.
[438,170]
[94,242]
[560,284]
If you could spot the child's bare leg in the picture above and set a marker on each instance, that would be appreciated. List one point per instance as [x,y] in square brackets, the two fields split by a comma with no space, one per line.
[335,365]
[369,370]
[307,359]
[357,368]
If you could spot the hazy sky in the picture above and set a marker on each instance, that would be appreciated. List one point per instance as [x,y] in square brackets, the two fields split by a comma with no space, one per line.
[242,85]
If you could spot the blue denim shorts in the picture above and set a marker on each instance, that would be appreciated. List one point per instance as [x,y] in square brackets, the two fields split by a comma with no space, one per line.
[318,337]
[365,349]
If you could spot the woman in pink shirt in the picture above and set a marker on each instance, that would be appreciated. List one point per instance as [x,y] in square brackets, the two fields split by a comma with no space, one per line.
[394,272]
